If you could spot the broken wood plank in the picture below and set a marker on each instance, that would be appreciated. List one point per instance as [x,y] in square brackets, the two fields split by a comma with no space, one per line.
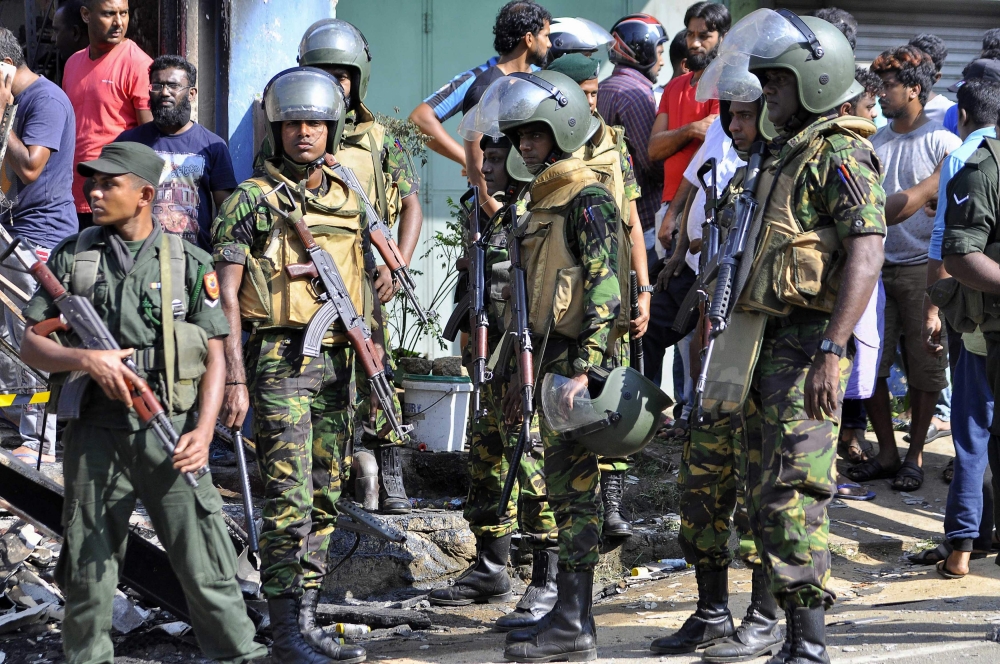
[374,617]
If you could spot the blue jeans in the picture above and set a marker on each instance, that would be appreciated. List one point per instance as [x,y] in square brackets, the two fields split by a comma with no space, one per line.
[972,411]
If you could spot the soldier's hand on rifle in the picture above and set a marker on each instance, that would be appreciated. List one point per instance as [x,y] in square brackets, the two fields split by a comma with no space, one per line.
[822,386]
[638,326]
[385,286]
[107,370]
[235,405]
[512,401]
[191,453]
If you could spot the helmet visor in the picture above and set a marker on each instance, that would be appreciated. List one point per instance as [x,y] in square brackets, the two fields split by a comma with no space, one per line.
[568,410]
[302,94]
[509,99]
[763,34]
[333,36]
[578,34]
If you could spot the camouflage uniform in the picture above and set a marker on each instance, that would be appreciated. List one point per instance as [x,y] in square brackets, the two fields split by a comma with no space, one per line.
[571,471]
[302,415]
[790,472]
[492,444]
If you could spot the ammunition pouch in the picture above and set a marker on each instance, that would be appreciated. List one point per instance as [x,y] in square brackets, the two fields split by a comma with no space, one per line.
[733,360]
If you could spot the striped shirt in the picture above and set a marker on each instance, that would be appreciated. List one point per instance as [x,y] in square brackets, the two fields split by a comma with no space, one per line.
[447,101]
[626,98]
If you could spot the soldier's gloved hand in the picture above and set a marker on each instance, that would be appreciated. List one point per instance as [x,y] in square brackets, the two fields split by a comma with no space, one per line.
[235,405]
[191,452]
[512,401]
[384,284]
[106,369]
[638,326]
[822,386]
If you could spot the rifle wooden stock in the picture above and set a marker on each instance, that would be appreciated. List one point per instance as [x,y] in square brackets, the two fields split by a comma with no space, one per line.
[387,249]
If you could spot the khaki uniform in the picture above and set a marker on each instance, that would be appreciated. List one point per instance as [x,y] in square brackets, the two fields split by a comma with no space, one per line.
[111,461]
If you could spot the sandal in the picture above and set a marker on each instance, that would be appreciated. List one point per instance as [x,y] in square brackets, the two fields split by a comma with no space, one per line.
[948,474]
[931,556]
[871,470]
[947,573]
[909,477]
[854,449]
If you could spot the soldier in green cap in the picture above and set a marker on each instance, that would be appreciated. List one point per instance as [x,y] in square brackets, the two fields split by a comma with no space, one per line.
[815,251]
[128,267]
[384,168]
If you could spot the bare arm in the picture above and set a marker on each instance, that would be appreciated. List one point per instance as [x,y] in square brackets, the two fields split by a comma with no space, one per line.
[904,204]
[237,398]
[219,197]
[678,207]
[411,219]
[932,319]
[26,160]
[665,142]
[641,270]
[441,141]
[975,271]
[861,271]
[192,449]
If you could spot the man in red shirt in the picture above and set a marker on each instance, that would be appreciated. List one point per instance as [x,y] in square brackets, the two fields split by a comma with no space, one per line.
[678,132]
[108,85]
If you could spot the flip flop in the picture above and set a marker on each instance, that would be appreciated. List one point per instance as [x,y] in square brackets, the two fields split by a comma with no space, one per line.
[933,433]
[871,470]
[946,573]
[909,470]
[930,556]
[853,492]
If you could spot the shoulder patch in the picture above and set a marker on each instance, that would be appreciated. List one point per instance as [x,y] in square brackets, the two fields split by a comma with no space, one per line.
[211,285]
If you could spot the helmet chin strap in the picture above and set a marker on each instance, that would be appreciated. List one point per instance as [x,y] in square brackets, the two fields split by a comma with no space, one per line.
[301,172]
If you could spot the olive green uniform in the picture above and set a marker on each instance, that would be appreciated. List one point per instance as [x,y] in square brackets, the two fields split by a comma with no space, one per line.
[111,461]
[303,406]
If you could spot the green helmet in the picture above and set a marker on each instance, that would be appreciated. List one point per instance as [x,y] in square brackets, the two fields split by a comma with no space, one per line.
[304,93]
[548,97]
[620,421]
[823,63]
[332,41]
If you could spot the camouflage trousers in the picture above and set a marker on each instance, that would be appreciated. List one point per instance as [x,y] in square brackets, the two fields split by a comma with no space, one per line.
[490,450]
[713,484]
[791,477]
[302,424]
[375,430]
[573,479]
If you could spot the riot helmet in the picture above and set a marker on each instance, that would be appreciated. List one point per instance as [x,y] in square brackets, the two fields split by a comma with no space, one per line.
[576,35]
[304,93]
[620,420]
[332,41]
[636,37]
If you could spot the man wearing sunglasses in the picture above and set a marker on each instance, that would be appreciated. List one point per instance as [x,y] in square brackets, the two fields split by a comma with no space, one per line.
[198,170]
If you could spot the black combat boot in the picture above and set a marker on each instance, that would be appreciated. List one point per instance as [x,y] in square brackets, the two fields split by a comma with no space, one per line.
[392,496]
[320,640]
[710,623]
[289,647]
[486,582]
[786,647]
[612,490]
[808,636]
[567,632]
[760,632]
[539,597]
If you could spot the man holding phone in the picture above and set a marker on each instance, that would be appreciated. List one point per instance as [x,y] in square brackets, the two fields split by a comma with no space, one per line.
[39,167]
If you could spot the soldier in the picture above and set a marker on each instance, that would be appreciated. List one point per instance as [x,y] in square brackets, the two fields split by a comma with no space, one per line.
[606,153]
[385,169]
[822,203]
[490,449]
[713,480]
[302,405]
[572,219]
[111,460]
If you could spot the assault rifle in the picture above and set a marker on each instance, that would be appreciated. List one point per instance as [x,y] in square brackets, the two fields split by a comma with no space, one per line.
[332,292]
[638,361]
[525,365]
[381,237]
[478,319]
[727,267]
[77,314]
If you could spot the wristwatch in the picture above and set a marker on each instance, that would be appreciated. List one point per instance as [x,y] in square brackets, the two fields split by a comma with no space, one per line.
[827,346]
[647,289]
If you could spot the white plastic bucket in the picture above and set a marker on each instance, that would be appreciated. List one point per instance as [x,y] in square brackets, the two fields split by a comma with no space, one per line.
[438,409]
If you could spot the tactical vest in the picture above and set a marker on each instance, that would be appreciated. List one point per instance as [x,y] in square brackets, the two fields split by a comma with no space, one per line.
[268,297]
[793,267]
[604,159]
[361,151]
[554,276]
[185,348]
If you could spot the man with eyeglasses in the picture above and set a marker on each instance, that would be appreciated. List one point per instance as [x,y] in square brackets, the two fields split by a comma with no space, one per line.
[198,170]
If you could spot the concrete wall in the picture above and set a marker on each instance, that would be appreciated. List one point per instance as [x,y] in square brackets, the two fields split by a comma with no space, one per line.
[264,40]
